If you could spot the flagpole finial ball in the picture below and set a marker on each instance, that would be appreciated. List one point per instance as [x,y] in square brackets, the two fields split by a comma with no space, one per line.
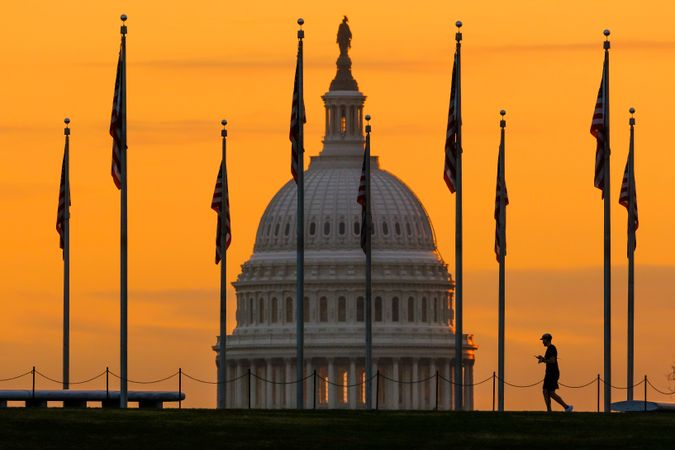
[458,24]
[67,120]
[606,32]
[367,117]
[502,112]
[631,110]
[223,122]
[301,21]
[123,17]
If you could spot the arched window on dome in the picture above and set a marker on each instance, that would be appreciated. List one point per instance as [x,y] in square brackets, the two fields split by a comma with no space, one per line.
[276,229]
[305,310]
[323,309]
[287,229]
[275,310]
[289,310]
[424,310]
[397,228]
[342,309]
[357,228]
[394,309]
[385,229]
[408,228]
[359,309]
[341,228]
[411,309]
[326,228]
[378,309]
[435,309]
[261,310]
[312,229]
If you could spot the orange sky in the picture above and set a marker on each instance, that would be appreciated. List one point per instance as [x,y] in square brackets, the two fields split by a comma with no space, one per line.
[188,67]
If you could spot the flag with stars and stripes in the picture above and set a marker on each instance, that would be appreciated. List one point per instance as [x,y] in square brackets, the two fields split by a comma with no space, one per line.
[498,225]
[118,122]
[450,169]
[362,199]
[296,122]
[63,212]
[215,205]
[598,130]
[624,200]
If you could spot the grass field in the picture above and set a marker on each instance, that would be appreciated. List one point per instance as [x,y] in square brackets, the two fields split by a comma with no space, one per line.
[209,429]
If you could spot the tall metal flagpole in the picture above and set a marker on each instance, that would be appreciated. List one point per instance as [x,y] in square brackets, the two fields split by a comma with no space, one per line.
[607,241]
[502,260]
[123,223]
[66,261]
[222,359]
[459,333]
[300,228]
[369,283]
[631,259]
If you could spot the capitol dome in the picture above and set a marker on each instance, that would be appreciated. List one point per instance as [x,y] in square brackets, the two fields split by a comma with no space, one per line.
[412,326]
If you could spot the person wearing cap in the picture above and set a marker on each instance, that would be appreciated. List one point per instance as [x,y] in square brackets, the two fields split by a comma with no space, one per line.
[552,375]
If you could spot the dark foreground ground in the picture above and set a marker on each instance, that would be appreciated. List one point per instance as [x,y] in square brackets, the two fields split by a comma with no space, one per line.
[209,429]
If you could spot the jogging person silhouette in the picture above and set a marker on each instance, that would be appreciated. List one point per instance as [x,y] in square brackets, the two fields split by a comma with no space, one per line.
[552,375]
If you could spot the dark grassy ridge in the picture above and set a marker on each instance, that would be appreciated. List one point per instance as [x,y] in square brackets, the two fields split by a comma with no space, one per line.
[209,429]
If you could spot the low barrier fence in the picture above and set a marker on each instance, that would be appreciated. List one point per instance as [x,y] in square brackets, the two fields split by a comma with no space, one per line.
[379,379]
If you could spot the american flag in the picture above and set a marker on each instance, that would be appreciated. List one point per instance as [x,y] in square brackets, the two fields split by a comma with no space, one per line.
[294,135]
[215,205]
[624,198]
[498,224]
[450,170]
[362,200]
[63,212]
[598,130]
[118,122]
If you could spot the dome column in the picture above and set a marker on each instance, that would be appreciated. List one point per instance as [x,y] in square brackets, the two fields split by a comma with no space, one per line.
[468,385]
[309,382]
[415,385]
[269,386]
[396,375]
[447,387]
[238,385]
[352,380]
[288,387]
[332,380]
[432,384]
[254,385]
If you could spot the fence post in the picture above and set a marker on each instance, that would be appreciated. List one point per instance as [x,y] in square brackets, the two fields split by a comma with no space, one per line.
[645,393]
[494,379]
[33,372]
[314,389]
[180,388]
[107,379]
[249,388]
[436,390]
[377,390]
[598,392]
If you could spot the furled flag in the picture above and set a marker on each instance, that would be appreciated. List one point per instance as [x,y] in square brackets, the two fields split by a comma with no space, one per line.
[362,200]
[598,130]
[296,123]
[450,170]
[118,122]
[498,224]
[623,200]
[63,212]
[215,205]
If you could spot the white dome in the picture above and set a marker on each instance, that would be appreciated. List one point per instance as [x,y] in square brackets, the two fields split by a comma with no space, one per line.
[333,217]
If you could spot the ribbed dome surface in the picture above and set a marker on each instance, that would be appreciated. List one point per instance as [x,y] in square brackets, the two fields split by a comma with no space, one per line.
[333,217]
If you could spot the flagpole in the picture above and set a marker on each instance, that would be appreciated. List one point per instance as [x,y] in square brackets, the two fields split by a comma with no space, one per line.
[123,224]
[459,333]
[66,260]
[300,228]
[222,360]
[631,258]
[607,242]
[369,282]
[502,260]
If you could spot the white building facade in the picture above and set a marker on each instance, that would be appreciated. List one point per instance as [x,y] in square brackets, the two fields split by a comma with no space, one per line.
[413,337]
